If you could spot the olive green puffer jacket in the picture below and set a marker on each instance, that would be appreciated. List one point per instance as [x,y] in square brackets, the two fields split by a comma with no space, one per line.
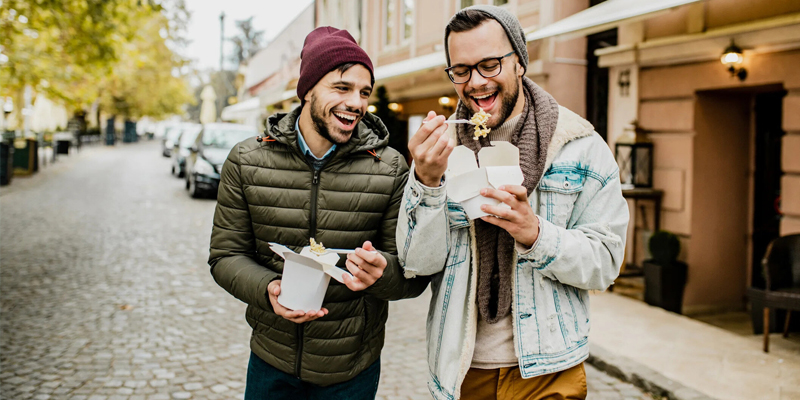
[269,193]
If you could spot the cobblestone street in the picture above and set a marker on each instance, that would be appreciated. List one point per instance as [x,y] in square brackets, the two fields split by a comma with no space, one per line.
[106,294]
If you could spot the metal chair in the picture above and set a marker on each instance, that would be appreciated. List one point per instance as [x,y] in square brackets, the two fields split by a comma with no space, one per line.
[781,266]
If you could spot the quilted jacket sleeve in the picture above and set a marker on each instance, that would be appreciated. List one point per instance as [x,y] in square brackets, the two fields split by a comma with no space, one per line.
[392,285]
[232,261]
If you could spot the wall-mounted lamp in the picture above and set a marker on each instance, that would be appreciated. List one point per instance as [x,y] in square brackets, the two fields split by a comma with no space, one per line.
[733,58]
[371,108]
[395,107]
[447,103]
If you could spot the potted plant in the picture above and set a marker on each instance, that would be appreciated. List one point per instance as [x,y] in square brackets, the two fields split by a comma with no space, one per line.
[664,275]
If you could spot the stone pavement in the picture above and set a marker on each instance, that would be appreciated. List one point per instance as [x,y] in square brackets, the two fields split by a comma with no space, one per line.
[105,292]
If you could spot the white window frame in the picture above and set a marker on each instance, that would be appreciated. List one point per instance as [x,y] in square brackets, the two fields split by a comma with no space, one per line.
[403,38]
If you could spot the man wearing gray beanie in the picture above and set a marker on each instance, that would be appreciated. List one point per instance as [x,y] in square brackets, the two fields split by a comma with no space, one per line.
[509,317]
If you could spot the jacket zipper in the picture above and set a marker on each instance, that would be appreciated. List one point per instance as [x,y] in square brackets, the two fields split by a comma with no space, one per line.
[314,190]
[312,233]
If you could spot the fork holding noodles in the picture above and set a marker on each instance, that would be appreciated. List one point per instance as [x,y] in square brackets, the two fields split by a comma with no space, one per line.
[479,120]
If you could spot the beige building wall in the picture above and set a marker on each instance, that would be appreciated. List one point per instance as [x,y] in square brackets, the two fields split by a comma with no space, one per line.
[560,67]
[790,160]
[671,62]
[711,197]
[704,142]
[717,251]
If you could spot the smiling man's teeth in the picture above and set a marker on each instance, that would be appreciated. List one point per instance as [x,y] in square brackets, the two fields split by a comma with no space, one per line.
[347,117]
[483,96]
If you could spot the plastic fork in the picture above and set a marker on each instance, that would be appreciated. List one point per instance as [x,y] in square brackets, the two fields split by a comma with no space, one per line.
[456,121]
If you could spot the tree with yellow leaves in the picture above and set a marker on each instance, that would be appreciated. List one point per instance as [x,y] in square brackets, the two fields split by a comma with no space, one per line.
[79,51]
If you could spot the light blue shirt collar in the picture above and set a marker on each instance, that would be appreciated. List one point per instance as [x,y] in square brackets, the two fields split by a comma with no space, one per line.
[304,147]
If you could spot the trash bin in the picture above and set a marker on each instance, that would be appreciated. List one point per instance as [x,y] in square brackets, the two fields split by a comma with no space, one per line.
[62,147]
[130,135]
[110,132]
[6,162]
[26,156]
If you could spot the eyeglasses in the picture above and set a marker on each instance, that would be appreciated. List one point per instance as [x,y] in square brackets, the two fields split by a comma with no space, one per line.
[488,68]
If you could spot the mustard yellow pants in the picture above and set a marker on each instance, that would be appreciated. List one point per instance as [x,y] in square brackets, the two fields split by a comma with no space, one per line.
[508,384]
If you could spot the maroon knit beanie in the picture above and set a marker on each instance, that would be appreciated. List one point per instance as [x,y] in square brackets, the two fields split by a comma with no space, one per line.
[325,49]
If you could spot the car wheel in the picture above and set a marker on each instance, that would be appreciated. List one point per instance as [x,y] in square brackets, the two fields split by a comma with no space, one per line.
[181,173]
[193,190]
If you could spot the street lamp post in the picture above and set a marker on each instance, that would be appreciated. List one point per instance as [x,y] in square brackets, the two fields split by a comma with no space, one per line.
[221,37]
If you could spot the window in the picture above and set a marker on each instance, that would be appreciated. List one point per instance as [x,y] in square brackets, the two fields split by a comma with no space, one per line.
[500,2]
[408,18]
[388,15]
[467,3]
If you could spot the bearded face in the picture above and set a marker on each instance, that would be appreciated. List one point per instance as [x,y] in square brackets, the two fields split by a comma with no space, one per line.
[336,124]
[339,101]
[498,95]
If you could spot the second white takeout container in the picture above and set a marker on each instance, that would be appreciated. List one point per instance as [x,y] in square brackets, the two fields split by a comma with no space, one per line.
[496,166]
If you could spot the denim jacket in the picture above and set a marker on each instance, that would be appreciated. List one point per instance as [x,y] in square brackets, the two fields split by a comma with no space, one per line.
[583,219]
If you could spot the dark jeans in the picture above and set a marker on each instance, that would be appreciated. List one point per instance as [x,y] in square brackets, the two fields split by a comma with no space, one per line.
[267,382]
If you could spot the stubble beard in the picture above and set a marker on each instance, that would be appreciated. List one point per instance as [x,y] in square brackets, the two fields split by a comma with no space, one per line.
[506,107]
[323,126]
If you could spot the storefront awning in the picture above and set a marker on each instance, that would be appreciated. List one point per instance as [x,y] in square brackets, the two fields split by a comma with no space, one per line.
[411,66]
[241,111]
[605,16]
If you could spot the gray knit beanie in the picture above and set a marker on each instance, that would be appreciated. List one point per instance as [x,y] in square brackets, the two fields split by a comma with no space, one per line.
[510,24]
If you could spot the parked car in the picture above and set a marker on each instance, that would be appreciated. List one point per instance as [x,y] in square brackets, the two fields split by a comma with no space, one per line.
[210,149]
[182,150]
[171,136]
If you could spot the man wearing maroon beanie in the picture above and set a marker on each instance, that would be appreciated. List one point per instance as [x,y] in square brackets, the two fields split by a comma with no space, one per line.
[321,171]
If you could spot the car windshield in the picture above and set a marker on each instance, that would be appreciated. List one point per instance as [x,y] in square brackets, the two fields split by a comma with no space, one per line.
[189,136]
[226,138]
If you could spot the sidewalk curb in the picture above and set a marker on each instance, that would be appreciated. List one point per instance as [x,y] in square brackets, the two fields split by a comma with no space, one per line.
[641,376]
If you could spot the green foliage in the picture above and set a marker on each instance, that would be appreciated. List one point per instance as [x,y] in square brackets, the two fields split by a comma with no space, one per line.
[74,50]
[665,247]
[146,80]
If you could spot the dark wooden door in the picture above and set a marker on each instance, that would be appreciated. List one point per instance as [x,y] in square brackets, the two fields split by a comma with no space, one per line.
[597,81]
[767,178]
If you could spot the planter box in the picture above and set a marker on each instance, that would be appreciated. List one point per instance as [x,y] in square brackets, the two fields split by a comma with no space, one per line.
[663,286]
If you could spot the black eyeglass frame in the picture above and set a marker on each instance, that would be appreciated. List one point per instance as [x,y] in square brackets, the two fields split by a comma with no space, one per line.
[475,67]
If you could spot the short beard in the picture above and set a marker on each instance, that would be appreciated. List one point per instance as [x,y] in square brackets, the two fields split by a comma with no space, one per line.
[509,102]
[318,117]
[507,105]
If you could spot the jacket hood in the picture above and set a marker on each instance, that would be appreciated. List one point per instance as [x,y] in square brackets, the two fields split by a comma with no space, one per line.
[370,133]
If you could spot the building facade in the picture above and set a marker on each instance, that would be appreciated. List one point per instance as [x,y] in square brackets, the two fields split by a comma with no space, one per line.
[726,146]
[270,78]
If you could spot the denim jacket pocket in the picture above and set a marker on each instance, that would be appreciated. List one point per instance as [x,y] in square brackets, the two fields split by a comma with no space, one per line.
[456,216]
[558,190]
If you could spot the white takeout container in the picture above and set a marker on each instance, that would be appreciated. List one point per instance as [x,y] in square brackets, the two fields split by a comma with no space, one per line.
[499,165]
[305,277]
